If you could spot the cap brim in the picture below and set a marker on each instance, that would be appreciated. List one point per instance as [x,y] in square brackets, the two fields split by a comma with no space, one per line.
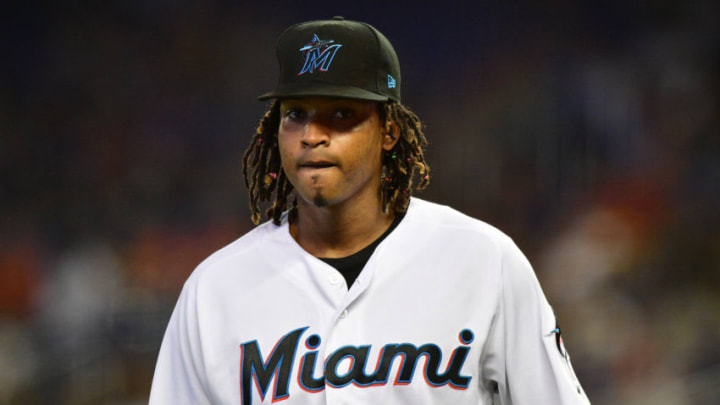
[320,90]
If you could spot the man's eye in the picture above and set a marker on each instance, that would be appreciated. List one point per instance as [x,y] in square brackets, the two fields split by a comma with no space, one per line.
[343,114]
[294,114]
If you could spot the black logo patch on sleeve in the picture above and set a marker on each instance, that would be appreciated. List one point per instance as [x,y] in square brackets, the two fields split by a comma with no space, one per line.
[558,341]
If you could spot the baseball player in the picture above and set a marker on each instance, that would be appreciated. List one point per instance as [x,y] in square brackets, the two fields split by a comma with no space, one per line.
[355,292]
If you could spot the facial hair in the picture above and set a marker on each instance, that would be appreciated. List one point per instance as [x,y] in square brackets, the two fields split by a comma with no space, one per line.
[319,200]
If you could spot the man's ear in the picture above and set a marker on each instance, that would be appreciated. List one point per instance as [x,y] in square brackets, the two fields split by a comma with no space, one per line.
[391,135]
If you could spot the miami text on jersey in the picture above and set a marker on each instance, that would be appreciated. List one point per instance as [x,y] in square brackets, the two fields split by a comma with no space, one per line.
[279,365]
[318,54]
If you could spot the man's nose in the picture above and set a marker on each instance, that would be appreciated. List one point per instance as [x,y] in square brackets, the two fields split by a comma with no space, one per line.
[315,135]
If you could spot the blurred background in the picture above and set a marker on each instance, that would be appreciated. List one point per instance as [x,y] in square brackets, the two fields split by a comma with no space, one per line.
[587,131]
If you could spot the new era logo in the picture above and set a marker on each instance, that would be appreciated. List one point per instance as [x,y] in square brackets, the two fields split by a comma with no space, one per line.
[391,82]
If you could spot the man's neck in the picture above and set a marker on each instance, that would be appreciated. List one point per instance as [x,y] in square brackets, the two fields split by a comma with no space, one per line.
[339,230]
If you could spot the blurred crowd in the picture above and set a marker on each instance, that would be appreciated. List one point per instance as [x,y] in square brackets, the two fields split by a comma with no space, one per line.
[588,133]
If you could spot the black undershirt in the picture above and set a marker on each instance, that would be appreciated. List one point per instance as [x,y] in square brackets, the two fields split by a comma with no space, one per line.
[351,266]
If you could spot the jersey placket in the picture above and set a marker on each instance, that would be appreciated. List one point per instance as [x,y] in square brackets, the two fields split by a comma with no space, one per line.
[344,323]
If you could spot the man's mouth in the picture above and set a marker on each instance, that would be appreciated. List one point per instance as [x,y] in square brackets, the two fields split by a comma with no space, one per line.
[317,165]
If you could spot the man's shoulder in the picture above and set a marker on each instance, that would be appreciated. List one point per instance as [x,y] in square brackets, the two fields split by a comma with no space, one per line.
[455,231]
[239,254]
[445,218]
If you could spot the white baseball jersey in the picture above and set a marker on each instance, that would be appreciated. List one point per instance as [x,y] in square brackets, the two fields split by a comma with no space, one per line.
[446,311]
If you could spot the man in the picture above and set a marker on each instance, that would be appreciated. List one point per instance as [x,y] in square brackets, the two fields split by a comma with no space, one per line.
[355,292]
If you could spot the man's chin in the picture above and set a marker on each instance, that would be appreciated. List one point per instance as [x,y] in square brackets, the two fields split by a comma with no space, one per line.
[319,200]
[316,197]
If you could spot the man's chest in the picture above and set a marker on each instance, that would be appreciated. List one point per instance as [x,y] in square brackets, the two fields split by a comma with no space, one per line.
[420,333]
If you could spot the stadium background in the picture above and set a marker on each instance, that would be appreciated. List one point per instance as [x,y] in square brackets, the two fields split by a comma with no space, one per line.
[582,129]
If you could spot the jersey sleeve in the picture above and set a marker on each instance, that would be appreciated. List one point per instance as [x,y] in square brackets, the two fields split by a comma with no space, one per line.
[179,374]
[524,360]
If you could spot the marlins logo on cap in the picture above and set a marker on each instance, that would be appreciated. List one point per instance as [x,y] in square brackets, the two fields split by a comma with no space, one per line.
[318,54]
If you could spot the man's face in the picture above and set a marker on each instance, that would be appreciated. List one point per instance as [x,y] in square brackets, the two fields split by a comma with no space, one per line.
[331,148]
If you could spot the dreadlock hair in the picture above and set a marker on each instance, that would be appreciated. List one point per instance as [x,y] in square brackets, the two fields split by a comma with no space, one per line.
[264,176]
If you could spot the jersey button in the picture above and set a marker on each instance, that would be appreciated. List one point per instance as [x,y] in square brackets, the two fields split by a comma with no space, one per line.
[334,279]
[344,313]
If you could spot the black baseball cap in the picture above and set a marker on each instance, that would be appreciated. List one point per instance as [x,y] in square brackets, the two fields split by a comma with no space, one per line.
[336,58]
